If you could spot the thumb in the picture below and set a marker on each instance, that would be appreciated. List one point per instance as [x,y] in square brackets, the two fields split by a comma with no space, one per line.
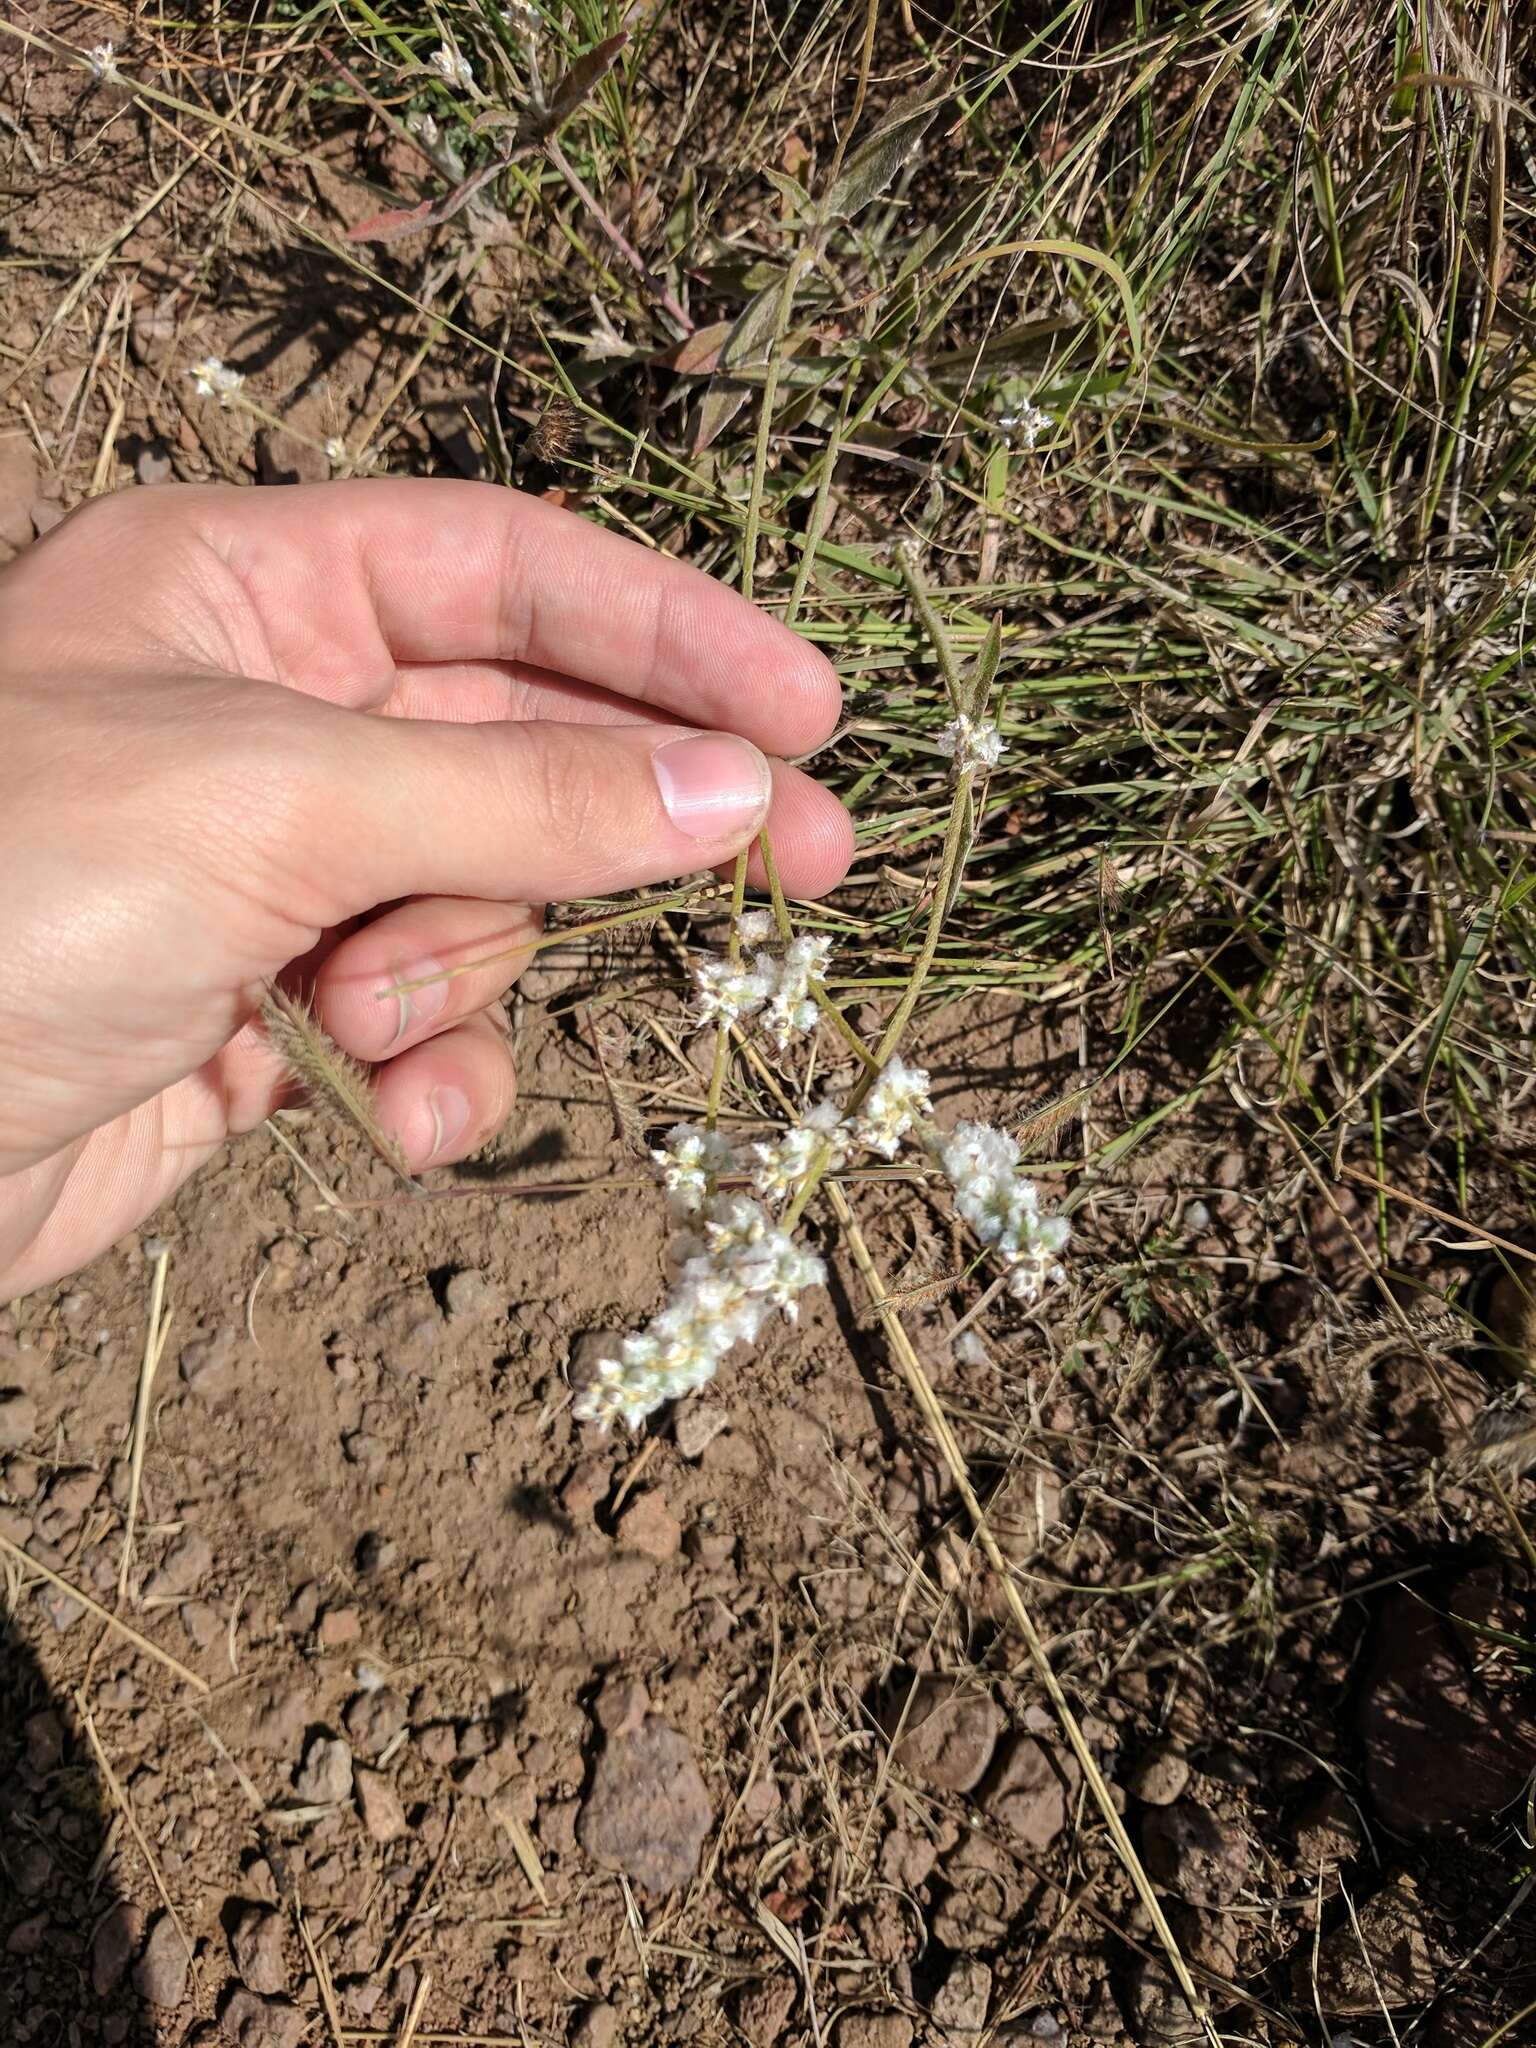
[540,812]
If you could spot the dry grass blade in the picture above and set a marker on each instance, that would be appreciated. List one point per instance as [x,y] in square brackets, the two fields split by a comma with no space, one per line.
[142,1642]
[946,1443]
[314,1058]
[418,2006]
[125,1806]
[154,1344]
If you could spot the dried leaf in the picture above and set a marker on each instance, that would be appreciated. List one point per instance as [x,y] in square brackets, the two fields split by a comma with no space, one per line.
[431,213]
[697,354]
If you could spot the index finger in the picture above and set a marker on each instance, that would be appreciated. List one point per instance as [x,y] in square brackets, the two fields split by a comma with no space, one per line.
[432,570]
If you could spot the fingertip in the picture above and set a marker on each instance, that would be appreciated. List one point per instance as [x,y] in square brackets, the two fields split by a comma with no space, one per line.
[444,1100]
[811,835]
[809,697]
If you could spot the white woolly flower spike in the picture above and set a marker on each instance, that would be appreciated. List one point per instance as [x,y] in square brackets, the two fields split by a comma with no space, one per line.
[452,66]
[102,58]
[821,1137]
[215,379]
[730,990]
[780,987]
[724,1294]
[1002,1206]
[892,1106]
[791,1007]
[972,742]
[755,927]
[689,1160]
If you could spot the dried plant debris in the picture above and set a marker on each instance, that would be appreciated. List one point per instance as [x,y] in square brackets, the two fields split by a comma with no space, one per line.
[328,1074]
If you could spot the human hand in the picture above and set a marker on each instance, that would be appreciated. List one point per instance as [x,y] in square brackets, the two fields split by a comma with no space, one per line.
[352,733]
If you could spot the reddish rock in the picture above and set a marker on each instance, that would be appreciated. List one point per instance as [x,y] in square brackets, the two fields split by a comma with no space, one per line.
[647,1812]
[947,1736]
[338,1626]
[649,1525]
[160,1975]
[1193,1853]
[379,1805]
[1029,1792]
[256,1945]
[1446,1748]
[252,2022]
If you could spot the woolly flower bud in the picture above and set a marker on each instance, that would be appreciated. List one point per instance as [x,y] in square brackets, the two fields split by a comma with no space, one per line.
[1036,1265]
[689,1159]
[972,742]
[102,58]
[783,1162]
[791,1006]
[1028,421]
[452,66]
[729,990]
[1002,1206]
[755,927]
[214,379]
[892,1106]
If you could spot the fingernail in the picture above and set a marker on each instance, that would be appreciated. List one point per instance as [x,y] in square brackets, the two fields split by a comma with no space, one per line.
[449,1110]
[418,1005]
[714,785]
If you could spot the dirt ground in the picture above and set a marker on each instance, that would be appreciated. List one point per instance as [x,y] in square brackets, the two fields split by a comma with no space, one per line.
[422,1713]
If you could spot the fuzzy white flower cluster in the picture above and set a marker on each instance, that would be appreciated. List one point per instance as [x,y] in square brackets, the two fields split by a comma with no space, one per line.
[971,743]
[102,58]
[776,987]
[819,1139]
[690,1161]
[1027,420]
[453,66]
[523,19]
[738,1267]
[1002,1206]
[895,1103]
[215,379]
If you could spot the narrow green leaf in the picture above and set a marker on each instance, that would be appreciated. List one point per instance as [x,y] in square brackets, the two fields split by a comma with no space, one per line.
[1478,934]
[982,672]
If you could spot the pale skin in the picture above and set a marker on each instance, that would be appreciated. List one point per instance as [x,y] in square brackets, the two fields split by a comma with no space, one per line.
[347,735]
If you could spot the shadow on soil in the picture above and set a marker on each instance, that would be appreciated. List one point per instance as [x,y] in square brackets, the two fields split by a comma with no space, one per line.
[59,1913]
